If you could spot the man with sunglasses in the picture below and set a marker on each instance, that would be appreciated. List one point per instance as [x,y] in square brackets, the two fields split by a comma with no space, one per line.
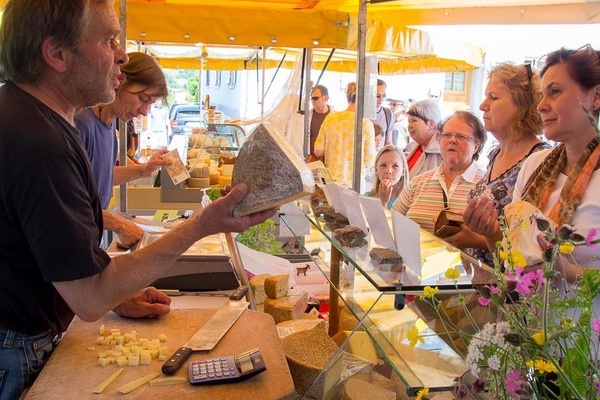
[384,116]
[318,97]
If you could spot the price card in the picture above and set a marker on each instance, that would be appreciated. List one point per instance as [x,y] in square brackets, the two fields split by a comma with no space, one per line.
[176,170]
[407,235]
[353,212]
[336,200]
[378,223]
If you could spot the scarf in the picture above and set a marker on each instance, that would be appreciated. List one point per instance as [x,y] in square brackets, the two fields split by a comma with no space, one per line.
[540,184]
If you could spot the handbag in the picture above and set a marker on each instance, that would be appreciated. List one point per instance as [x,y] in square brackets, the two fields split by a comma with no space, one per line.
[448,222]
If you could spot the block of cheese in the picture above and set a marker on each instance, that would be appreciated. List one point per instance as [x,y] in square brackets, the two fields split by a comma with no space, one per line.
[257,284]
[307,354]
[358,344]
[357,389]
[347,321]
[277,286]
[272,169]
[286,308]
[224,180]
[214,177]
[200,171]
[227,169]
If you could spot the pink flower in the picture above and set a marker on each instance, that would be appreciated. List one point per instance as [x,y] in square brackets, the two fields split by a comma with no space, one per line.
[484,302]
[514,385]
[591,236]
[596,325]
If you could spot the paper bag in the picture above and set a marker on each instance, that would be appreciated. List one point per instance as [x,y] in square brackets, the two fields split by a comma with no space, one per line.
[522,232]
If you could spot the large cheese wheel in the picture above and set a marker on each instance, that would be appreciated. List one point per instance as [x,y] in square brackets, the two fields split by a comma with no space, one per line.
[307,353]
[200,183]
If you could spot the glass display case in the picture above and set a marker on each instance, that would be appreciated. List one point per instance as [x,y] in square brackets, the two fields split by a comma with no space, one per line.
[381,303]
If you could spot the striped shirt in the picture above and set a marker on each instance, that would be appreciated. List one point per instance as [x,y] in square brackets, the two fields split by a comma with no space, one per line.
[424,200]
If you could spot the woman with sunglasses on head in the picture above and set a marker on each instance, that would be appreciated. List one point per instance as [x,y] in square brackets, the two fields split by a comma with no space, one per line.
[510,115]
[563,182]
[446,187]
[142,83]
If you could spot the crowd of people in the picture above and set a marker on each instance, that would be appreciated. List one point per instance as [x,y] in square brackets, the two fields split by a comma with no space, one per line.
[66,80]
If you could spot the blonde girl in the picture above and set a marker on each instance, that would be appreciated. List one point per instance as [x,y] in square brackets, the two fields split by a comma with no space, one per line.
[391,175]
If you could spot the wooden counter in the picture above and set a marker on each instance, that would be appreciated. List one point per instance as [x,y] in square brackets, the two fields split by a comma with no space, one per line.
[72,371]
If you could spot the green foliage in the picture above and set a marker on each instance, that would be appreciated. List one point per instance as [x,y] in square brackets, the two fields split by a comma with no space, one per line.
[214,193]
[192,84]
[262,238]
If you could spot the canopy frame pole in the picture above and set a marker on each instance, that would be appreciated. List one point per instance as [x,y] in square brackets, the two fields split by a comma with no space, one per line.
[306,99]
[325,66]
[122,124]
[360,95]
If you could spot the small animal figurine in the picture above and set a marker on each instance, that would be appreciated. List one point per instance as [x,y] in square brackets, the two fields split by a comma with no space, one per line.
[300,270]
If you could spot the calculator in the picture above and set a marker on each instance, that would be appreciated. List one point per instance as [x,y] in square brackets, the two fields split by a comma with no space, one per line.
[227,369]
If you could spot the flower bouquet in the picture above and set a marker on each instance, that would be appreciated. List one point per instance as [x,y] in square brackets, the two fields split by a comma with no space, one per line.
[545,341]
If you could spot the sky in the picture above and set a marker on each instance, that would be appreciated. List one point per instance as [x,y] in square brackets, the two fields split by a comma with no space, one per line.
[514,42]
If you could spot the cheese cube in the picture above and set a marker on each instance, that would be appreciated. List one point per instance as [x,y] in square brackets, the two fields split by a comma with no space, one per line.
[257,284]
[286,308]
[134,360]
[122,361]
[277,286]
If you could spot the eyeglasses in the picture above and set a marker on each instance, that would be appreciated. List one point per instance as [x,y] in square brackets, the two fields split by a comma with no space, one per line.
[315,98]
[381,96]
[459,137]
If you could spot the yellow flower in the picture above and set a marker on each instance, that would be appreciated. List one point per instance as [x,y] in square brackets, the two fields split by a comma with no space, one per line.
[503,255]
[541,365]
[421,394]
[452,273]
[429,291]
[566,248]
[413,336]
[539,338]
[517,259]
[568,323]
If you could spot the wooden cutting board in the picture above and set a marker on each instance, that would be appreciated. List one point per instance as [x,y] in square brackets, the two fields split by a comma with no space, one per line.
[72,371]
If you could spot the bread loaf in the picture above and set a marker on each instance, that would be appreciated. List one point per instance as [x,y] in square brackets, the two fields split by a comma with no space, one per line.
[307,353]
[277,286]
[257,284]
[286,308]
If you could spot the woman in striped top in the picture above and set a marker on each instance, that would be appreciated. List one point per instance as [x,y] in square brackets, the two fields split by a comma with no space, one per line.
[461,139]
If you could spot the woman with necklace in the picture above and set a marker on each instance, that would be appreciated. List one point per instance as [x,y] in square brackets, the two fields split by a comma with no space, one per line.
[510,114]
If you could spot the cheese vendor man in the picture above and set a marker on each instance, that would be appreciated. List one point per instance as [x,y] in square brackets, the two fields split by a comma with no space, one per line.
[54,62]
[142,83]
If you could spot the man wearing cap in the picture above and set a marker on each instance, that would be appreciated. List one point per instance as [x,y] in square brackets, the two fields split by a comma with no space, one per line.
[384,116]
[319,96]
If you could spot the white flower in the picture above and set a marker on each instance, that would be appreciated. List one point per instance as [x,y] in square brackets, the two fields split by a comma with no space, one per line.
[494,362]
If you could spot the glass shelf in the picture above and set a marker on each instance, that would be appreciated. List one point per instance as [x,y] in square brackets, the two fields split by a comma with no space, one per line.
[370,297]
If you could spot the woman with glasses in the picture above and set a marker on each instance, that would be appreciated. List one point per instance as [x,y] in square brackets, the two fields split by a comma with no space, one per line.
[423,153]
[446,187]
[510,115]
[563,182]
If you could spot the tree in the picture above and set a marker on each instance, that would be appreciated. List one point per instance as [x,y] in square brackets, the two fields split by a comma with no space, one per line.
[192,86]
